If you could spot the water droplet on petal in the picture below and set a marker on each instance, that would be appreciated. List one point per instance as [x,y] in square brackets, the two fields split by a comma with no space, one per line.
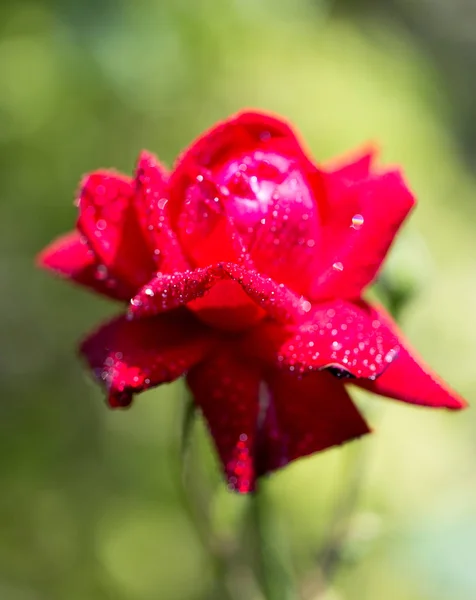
[338,266]
[101,224]
[357,221]
[101,273]
[391,355]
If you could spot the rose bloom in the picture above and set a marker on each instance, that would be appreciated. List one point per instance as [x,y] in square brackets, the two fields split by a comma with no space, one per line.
[243,269]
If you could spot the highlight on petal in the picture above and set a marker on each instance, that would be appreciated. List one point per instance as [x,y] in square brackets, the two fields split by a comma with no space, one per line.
[285,243]
[132,356]
[346,337]
[307,415]
[165,292]
[241,133]
[227,392]
[69,256]
[409,378]
[109,220]
[359,225]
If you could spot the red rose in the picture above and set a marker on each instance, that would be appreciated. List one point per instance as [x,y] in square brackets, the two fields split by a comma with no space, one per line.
[244,269]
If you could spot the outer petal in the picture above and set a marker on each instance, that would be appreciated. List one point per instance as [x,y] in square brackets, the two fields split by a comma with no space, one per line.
[227,392]
[259,428]
[409,379]
[307,415]
[69,256]
[360,222]
[347,337]
[108,218]
[353,167]
[132,356]
[169,291]
[151,204]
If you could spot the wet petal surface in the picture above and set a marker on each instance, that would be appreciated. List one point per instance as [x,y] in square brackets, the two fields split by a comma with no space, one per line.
[307,415]
[69,256]
[131,356]
[409,378]
[169,291]
[344,336]
[360,222]
[109,220]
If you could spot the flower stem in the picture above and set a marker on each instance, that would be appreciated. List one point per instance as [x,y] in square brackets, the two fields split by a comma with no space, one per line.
[272,561]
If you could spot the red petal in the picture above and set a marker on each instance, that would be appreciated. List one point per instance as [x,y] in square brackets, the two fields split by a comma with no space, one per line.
[285,244]
[69,256]
[227,392]
[409,379]
[151,203]
[132,356]
[109,220]
[207,233]
[355,166]
[169,291]
[307,415]
[233,136]
[360,222]
[257,429]
[347,337]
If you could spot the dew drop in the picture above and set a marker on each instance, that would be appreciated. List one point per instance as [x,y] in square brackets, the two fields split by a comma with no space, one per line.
[338,266]
[101,273]
[149,292]
[101,224]
[357,221]
[306,306]
[336,346]
[391,355]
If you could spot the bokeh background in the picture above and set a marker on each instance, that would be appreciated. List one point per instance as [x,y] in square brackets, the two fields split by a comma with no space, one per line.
[91,502]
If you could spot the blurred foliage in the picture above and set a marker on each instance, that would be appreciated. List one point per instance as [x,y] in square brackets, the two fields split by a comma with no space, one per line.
[91,503]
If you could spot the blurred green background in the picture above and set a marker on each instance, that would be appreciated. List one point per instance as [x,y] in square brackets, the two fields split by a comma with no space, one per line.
[91,501]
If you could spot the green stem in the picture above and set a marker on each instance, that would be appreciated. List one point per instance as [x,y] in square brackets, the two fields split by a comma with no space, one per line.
[196,500]
[271,553]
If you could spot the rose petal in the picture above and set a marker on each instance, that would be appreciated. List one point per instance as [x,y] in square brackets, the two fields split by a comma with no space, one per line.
[165,292]
[69,256]
[132,356]
[151,204]
[227,392]
[258,429]
[245,131]
[359,225]
[346,337]
[307,415]
[285,244]
[409,379]
[353,167]
[109,220]
[207,233]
